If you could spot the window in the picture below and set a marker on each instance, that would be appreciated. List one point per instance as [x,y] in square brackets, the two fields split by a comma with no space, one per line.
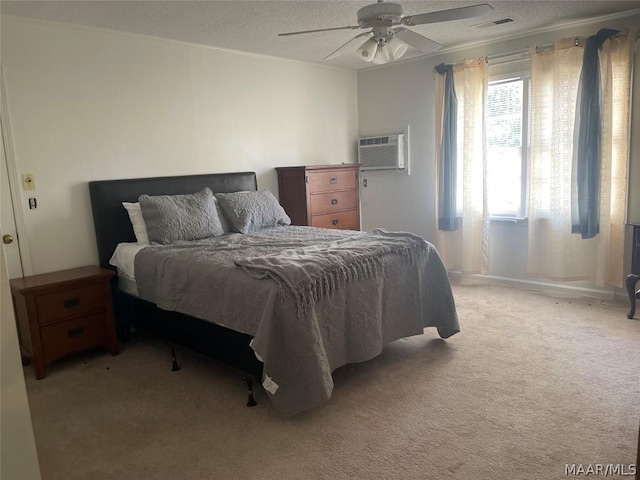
[507,142]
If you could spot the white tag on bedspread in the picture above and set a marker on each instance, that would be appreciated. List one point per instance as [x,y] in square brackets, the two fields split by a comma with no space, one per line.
[269,385]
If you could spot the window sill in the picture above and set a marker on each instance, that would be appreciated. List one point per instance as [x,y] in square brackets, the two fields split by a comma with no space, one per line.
[513,220]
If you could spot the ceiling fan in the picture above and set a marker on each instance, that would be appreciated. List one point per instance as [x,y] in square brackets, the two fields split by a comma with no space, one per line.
[388,39]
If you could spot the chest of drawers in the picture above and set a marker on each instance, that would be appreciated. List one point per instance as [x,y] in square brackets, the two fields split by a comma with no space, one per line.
[325,196]
[63,312]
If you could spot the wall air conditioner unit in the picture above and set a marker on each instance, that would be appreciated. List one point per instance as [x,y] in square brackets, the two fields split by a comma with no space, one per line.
[385,152]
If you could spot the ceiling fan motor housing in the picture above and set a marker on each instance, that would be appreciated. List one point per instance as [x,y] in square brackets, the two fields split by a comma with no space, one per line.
[383,14]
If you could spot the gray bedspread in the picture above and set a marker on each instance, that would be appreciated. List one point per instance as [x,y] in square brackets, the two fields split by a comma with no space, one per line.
[313,299]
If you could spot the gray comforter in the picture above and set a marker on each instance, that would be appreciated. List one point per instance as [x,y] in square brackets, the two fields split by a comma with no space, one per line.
[313,299]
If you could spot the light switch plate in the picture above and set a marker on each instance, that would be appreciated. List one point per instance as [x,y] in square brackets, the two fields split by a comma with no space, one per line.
[28,181]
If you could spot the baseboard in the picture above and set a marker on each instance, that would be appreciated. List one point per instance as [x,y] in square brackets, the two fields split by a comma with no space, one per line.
[615,293]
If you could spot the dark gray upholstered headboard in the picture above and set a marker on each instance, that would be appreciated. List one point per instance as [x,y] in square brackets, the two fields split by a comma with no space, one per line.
[111,220]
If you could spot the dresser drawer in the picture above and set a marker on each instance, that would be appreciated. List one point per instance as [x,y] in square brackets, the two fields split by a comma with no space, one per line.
[332,180]
[333,201]
[74,301]
[62,338]
[345,220]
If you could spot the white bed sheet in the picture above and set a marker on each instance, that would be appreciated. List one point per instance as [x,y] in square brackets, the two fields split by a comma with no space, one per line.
[123,259]
[127,285]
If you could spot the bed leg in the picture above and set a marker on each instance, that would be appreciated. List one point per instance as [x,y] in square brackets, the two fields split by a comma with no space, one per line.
[175,367]
[251,402]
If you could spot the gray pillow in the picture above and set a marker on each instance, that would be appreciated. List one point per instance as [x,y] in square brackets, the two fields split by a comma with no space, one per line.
[251,211]
[223,220]
[171,218]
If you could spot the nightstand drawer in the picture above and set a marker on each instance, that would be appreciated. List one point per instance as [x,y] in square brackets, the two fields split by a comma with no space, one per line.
[332,180]
[63,338]
[74,301]
[345,220]
[333,202]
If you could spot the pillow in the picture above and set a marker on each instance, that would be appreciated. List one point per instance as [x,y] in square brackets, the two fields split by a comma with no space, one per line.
[172,218]
[137,222]
[251,211]
[223,219]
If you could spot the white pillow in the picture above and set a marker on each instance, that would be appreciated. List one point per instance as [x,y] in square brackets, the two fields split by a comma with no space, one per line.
[137,221]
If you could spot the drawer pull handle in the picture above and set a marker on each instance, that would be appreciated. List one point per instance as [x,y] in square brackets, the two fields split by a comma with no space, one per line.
[334,201]
[74,332]
[72,302]
[333,180]
[334,221]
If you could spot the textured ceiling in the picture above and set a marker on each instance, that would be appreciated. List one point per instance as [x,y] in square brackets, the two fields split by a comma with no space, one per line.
[252,26]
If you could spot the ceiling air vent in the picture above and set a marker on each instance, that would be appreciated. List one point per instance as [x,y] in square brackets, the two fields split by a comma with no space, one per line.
[493,23]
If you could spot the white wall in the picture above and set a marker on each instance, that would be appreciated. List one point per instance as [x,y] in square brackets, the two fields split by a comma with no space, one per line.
[391,97]
[90,104]
[404,94]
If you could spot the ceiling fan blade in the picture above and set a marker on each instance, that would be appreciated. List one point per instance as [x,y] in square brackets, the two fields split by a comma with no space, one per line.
[448,15]
[352,27]
[416,40]
[350,45]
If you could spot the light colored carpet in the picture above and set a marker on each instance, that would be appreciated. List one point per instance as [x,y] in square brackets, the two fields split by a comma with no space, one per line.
[532,382]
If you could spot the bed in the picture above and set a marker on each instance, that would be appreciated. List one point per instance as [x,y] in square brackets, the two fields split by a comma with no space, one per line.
[286,304]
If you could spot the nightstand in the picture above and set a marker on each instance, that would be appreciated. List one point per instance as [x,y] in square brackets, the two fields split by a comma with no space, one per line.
[64,312]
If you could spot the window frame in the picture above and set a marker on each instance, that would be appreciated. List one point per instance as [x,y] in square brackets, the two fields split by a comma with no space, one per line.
[525,142]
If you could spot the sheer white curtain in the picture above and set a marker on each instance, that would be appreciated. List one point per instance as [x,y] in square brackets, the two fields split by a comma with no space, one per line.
[554,252]
[466,249]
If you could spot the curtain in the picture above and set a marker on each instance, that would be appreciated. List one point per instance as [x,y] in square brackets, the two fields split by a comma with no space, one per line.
[553,251]
[466,249]
[447,162]
[585,183]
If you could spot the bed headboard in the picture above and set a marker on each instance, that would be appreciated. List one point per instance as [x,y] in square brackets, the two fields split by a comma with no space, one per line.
[111,220]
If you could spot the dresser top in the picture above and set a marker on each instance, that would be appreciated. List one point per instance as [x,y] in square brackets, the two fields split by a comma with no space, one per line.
[321,167]
[34,282]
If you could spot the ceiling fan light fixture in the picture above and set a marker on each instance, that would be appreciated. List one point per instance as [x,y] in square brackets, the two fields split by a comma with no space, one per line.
[388,37]
[368,50]
[397,47]
[382,55]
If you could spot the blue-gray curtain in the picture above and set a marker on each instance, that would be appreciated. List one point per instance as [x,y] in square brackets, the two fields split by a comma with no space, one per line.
[447,169]
[585,195]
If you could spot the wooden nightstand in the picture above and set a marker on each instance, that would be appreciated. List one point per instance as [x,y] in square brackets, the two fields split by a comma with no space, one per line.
[63,312]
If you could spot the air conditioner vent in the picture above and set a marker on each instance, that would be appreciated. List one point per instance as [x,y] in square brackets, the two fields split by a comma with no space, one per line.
[385,152]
